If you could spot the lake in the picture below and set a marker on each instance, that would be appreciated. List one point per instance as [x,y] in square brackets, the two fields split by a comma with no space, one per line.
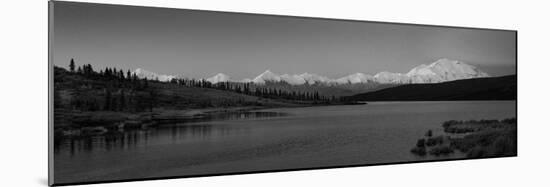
[269,139]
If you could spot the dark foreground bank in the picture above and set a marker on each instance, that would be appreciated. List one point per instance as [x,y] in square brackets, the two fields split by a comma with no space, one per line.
[475,138]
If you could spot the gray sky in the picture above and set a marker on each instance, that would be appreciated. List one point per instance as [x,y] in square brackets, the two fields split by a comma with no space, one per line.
[200,44]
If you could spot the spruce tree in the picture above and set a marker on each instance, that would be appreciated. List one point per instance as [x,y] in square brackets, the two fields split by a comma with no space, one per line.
[121,74]
[71,65]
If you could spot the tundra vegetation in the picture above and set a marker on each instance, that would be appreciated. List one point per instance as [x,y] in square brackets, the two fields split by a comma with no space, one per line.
[474,138]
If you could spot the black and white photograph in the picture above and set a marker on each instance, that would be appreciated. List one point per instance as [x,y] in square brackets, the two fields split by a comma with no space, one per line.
[149,93]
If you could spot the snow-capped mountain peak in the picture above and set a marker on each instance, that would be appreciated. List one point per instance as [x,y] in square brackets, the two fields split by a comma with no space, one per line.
[293,79]
[266,76]
[220,77]
[444,70]
[142,73]
[300,79]
[311,78]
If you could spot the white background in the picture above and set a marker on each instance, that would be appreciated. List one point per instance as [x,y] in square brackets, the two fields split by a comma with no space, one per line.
[23,71]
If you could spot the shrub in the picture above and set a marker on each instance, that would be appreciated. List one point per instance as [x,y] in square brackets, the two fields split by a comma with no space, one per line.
[509,121]
[435,141]
[420,151]
[486,138]
[429,133]
[421,143]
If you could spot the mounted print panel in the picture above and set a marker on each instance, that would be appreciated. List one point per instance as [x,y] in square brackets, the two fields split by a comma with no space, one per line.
[142,93]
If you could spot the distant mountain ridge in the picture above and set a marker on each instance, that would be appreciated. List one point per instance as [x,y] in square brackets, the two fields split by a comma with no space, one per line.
[442,70]
[491,88]
[220,77]
[141,73]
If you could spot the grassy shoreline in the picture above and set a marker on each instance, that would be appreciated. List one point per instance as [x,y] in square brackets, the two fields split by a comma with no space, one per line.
[475,138]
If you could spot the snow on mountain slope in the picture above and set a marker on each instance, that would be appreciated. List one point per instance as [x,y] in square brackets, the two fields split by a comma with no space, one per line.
[266,76]
[303,78]
[220,77]
[293,79]
[246,80]
[141,73]
[441,70]
[444,70]
[354,79]
[314,78]
[391,78]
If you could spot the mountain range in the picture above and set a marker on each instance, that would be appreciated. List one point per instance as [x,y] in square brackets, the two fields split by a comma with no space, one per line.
[141,73]
[442,70]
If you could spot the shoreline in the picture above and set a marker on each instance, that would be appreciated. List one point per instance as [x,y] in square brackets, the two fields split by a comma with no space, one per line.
[76,123]
[119,120]
[96,117]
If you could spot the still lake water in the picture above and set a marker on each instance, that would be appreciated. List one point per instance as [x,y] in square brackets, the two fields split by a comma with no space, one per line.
[270,139]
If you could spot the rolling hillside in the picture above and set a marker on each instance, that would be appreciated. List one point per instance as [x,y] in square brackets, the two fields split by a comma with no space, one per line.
[496,88]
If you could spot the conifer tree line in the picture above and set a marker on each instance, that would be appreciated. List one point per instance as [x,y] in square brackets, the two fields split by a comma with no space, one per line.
[120,92]
[107,73]
[254,90]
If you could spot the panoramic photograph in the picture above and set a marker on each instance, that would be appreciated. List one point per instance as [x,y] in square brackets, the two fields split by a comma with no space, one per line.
[147,93]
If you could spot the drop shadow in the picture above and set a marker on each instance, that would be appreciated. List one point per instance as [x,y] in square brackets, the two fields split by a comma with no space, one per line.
[42,181]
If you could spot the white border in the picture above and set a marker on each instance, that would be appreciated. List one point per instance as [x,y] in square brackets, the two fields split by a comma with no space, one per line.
[25,103]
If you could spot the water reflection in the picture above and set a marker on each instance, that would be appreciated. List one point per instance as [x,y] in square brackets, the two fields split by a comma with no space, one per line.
[233,116]
[194,129]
